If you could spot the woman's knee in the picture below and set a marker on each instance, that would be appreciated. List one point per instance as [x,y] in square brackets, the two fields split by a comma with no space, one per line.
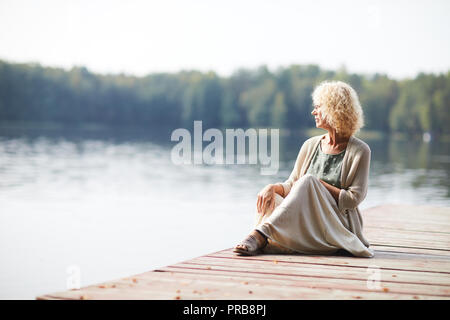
[306,179]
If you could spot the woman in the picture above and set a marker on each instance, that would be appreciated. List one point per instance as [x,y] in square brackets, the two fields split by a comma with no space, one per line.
[315,211]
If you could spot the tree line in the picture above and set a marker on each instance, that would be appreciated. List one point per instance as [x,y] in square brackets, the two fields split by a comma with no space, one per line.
[247,98]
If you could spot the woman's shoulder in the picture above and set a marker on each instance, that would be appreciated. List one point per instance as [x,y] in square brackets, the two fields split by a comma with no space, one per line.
[359,145]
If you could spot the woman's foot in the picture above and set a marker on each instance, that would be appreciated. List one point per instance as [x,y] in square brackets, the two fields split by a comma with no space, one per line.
[252,245]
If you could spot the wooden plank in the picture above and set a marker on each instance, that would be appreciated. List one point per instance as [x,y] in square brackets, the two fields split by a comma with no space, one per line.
[416,265]
[420,252]
[173,285]
[414,247]
[410,250]
[348,284]
[433,244]
[395,225]
[418,218]
[411,239]
[323,271]
[408,234]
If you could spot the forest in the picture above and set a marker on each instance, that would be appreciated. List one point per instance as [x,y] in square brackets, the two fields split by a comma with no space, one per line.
[281,98]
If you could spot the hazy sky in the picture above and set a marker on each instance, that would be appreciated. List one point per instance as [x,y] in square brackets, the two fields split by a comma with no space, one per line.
[396,37]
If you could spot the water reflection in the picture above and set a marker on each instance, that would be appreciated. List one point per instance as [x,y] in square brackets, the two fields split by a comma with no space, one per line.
[414,167]
[81,158]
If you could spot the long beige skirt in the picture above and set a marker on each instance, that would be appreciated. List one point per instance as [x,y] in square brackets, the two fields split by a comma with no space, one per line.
[308,221]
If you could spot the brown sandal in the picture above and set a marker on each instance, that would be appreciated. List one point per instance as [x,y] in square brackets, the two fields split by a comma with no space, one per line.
[254,247]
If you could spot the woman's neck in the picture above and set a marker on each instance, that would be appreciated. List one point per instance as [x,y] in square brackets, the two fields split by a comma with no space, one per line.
[334,139]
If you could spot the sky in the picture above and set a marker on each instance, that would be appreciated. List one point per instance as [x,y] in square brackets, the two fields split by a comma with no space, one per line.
[396,37]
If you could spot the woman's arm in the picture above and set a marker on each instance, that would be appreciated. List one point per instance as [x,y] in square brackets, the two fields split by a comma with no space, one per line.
[352,196]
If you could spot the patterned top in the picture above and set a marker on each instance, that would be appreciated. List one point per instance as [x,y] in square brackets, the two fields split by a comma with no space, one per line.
[327,166]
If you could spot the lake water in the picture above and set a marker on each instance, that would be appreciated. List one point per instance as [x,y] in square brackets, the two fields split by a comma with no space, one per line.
[111,203]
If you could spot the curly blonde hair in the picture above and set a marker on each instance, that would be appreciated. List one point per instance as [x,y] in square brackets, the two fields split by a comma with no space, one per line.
[339,103]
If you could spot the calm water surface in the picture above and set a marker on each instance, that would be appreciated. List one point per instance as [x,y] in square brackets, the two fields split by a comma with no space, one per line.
[112,203]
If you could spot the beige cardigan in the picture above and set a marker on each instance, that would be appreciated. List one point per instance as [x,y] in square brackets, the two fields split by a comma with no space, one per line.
[354,178]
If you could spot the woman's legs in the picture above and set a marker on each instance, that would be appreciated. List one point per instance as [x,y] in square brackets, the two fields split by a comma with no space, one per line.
[263,242]
[283,223]
[260,240]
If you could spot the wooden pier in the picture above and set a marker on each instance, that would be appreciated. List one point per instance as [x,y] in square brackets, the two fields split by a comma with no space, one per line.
[412,261]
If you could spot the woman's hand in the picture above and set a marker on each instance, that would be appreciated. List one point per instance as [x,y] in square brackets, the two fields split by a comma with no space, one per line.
[266,199]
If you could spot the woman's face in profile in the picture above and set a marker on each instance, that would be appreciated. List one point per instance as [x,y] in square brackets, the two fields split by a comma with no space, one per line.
[320,121]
